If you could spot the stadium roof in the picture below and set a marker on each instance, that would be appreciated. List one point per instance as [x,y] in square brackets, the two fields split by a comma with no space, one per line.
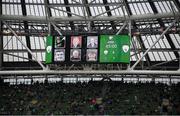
[145,20]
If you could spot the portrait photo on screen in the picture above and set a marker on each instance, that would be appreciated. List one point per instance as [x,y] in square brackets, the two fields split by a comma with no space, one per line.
[59,55]
[76,41]
[75,55]
[91,55]
[60,42]
[92,41]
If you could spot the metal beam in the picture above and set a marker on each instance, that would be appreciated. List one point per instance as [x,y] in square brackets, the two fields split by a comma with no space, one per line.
[17,56]
[48,15]
[139,38]
[48,11]
[144,17]
[134,25]
[90,23]
[1,38]
[107,11]
[33,32]
[69,15]
[120,30]
[161,36]
[109,14]
[57,29]
[85,72]
[25,46]
[140,50]
[1,47]
[67,12]
[26,27]
[91,4]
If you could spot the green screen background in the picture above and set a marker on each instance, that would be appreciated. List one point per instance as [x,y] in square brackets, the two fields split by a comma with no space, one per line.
[114,46]
[49,42]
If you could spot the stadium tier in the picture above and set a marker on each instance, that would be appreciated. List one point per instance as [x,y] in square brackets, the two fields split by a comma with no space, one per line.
[89,57]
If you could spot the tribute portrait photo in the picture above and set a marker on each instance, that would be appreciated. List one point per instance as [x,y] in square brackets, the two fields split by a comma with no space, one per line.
[59,55]
[76,41]
[75,55]
[60,42]
[91,55]
[92,41]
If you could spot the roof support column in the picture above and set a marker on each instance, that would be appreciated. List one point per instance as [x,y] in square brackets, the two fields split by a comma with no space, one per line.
[1,38]
[1,47]
[69,15]
[26,27]
[134,25]
[90,23]
[109,14]
[48,15]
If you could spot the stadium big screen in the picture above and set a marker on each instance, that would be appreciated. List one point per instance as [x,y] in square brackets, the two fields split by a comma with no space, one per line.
[88,49]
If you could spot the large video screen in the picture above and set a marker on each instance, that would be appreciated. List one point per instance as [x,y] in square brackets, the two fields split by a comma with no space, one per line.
[114,49]
[88,49]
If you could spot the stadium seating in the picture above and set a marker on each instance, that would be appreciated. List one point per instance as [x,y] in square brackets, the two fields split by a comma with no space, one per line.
[94,97]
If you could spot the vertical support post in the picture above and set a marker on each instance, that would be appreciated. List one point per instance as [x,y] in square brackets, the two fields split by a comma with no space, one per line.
[153,44]
[89,26]
[23,5]
[49,28]
[1,38]
[89,15]
[130,39]
[120,30]
[1,47]
[56,28]
[48,15]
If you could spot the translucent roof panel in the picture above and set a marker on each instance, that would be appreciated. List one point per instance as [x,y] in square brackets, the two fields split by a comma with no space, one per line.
[165,6]
[12,43]
[15,57]
[113,1]
[119,11]
[17,1]
[37,42]
[56,12]
[98,10]
[11,9]
[36,9]
[162,44]
[74,1]
[78,10]
[161,56]
[98,1]
[136,56]
[140,8]
[149,40]
[176,40]
[56,1]
[39,55]
[34,1]
[135,43]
